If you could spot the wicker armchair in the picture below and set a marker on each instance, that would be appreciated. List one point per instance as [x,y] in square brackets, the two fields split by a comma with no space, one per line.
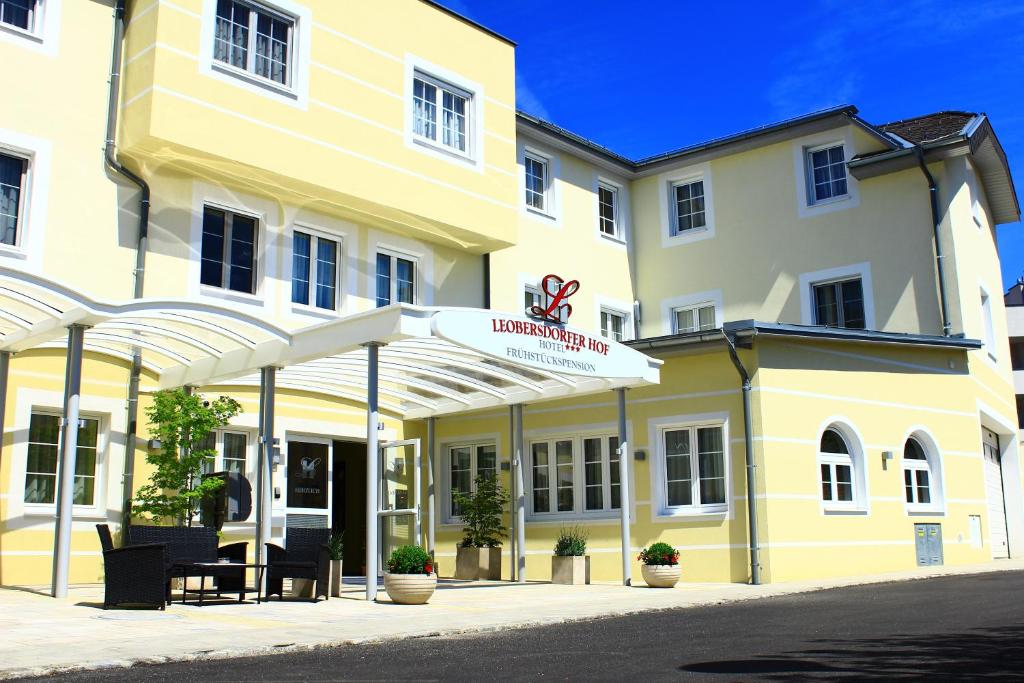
[305,556]
[188,545]
[133,574]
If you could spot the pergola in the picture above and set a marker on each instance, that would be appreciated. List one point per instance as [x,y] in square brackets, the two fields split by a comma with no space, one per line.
[411,361]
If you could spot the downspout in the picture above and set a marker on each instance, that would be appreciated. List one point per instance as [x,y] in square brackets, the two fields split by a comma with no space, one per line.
[748,447]
[110,157]
[487,281]
[933,195]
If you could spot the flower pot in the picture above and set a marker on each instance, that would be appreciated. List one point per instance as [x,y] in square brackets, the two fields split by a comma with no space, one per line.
[410,589]
[303,588]
[661,575]
[572,570]
[335,578]
[472,564]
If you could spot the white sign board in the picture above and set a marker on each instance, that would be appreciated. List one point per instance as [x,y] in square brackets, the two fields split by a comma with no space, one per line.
[545,346]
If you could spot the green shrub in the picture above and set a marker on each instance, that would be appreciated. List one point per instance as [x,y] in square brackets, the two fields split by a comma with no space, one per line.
[336,546]
[410,559]
[572,541]
[481,513]
[659,553]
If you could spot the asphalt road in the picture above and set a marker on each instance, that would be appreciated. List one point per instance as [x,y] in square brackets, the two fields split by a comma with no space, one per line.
[953,628]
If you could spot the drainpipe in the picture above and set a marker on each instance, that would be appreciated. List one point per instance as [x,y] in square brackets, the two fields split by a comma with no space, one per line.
[487,281]
[933,195]
[110,157]
[748,447]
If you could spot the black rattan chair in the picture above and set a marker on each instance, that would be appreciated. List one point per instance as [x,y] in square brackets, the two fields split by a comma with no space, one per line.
[135,574]
[305,556]
[188,545]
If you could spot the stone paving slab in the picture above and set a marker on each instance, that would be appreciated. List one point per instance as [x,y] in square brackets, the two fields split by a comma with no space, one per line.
[42,635]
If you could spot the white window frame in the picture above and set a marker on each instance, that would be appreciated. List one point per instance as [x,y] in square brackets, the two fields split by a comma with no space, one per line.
[579,484]
[296,92]
[249,71]
[440,88]
[23,197]
[858,475]
[315,236]
[257,271]
[833,283]
[988,324]
[45,31]
[416,279]
[808,280]
[545,164]
[695,308]
[932,464]
[616,234]
[99,478]
[218,461]
[537,296]
[614,313]
[674,228]
[671,304]
[812,197]
[472,158]
[660,471]
[667,183]
[446,472]
[802,147]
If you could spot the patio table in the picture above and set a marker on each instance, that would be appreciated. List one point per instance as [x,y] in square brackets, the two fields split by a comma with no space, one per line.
[214,569]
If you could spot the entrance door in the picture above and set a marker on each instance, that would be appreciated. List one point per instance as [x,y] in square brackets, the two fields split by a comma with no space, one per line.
[399,496]
[994,495]
[307,495]
[348,504]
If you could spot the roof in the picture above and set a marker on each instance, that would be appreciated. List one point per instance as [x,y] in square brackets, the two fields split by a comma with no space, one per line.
[467,20]
[1015,295]
[930,127]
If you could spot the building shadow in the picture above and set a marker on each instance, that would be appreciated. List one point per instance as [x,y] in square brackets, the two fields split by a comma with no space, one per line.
[990,654]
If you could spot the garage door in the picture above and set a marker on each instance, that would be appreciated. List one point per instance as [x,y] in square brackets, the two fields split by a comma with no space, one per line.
[994,495]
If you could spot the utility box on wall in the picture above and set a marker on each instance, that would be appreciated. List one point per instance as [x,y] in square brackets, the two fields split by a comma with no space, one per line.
[928,544]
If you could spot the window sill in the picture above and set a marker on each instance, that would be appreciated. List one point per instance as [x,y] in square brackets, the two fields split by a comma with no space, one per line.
[448,153]
[270,86]
[533,211]
[50,512]
[829,202]
[315,311]
[688,236]
[706,512]
[230,294]
[925,511]
[552,518]
[843,511]
[30,36]
[612,239]
[8,251]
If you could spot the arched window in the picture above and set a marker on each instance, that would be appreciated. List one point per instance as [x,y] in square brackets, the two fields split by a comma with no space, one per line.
[918,478]
[837,469]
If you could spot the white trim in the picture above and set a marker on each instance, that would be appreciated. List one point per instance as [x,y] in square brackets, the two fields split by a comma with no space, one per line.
[473,157]
[861,503]
[936,474]
[443,472]
[44,38]
[988,329]
[341,284]
[551,215]
[296,93]
[615,307]
[801,148]
[35,197]
[660,510]
[620,238]
[809,280]
[667,208]
[671,304]
[402,247]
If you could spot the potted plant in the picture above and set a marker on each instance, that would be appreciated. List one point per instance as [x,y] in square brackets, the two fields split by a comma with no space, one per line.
[570,563]
[661,565]
[336,547]
[478,555]
[410,578]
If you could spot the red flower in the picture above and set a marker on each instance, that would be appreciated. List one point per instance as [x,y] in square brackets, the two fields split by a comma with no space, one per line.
[428,568]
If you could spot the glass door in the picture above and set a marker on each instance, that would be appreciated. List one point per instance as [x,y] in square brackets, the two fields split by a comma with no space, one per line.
[399,509]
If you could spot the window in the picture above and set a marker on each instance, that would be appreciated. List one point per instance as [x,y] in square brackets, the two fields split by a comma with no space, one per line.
[989,328]
[694,318]
[569,475]
[228,251]
[466,463]
[613,325]
[230,450]
[694,466]
[826,170]
[839,304]
[41,468]
[254,39]
[836,463]
[916,473]
[531,297]
[396,280]
[433,99]
[536,182]
[314,282]
[607,210]
[23,14]
[690,212]
[13,172]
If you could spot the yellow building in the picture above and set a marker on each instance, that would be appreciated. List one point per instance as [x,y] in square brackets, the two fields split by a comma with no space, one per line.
[298,195]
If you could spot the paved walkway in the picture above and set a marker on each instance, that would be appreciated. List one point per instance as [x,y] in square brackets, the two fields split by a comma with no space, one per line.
[43,635]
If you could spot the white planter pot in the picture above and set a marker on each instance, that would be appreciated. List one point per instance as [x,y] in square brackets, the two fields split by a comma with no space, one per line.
[661,575]
[472,564]
[410,589]
[571,570]
[336,578]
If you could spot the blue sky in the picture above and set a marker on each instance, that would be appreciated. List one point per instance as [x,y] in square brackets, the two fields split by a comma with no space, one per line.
[649,76]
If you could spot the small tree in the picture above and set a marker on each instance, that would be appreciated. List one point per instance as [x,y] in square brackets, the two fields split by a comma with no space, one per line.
[481,513]
[181,422]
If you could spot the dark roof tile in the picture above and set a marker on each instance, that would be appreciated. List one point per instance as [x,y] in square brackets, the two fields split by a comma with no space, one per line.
[929,127]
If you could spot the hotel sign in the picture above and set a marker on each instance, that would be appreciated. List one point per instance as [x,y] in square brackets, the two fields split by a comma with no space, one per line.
[537,344]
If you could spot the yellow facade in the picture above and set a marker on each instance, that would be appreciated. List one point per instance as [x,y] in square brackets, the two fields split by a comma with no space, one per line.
[333,154]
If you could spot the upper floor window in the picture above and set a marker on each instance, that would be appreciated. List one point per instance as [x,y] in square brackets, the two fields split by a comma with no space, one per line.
[613,325]
[839,304]
[571,475]
[826,171]
[41,468]
[988,323]
[396,280]
[23,14]
[465,464]
[694,318]
[255,39]
[441,113]
[607,210]
[690,212]
[13,174]
[228,251]
[694,466]
[314,270]
[532,297]
[537,182]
